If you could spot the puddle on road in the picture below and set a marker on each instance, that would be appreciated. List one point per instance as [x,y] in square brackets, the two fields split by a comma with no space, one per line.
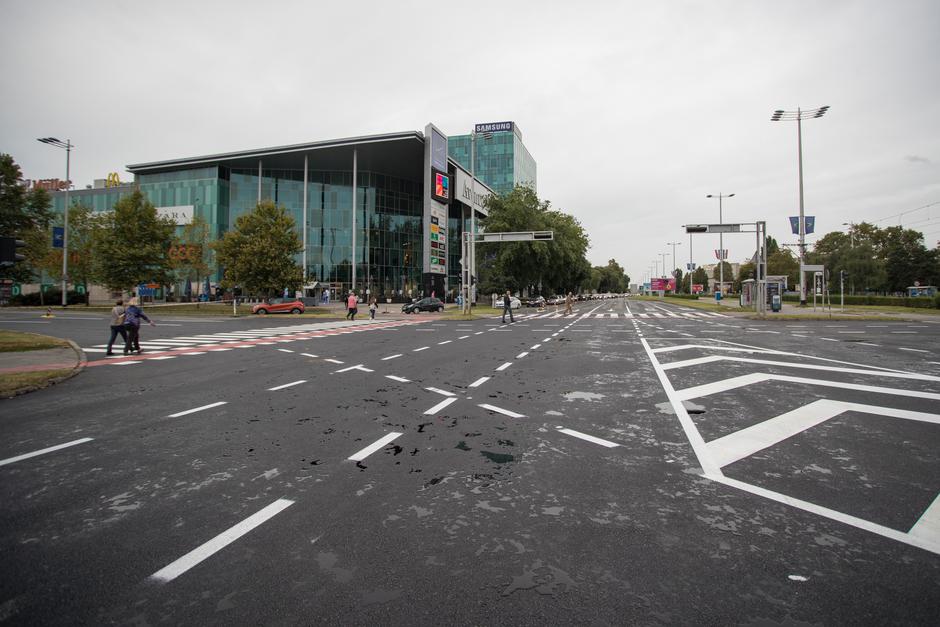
[499,458]
[583,396]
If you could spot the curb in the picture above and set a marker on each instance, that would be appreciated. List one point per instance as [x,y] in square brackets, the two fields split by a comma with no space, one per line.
[76,369]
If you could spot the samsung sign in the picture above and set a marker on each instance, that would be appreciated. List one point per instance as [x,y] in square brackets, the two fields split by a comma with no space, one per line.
[493,127]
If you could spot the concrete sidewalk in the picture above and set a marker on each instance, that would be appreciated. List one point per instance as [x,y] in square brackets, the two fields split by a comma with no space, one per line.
[69,358]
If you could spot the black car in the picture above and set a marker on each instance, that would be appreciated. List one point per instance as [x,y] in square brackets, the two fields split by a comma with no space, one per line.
[425,304]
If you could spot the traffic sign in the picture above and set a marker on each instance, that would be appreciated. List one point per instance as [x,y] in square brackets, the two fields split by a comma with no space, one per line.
[58,236]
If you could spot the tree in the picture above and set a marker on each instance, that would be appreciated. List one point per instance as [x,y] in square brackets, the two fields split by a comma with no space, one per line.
[745,271]
[258,254]
[729,273]
[134,245]
[557,266]
[783,263]
[679,284]
[85,230]
[192,251]
[24,214]
[611,278]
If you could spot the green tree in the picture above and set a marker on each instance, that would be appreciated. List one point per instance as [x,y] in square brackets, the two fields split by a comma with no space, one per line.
[745,271]
[258,254]
[729,273]
[24,214]
[680,286]
[85,230]
[192,251]
[133,246]
[611,278]
[784,263]
[557,266]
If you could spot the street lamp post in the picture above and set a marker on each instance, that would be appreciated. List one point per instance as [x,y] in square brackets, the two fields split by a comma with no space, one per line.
[799,115]
[674,244]
[721,242]
[67,145]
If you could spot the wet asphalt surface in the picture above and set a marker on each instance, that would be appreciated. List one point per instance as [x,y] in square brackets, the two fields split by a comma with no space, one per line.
[472,516]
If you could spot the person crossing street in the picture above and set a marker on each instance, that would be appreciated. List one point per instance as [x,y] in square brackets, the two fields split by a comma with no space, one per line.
[507,306]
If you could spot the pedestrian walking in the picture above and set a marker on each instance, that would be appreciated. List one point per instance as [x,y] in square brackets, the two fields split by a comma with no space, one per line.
[117,325]
[568,300]
[507,306]
[373,305]
[351,306]
[132,317]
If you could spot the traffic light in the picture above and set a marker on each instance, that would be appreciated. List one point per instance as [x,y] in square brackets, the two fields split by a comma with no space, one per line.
[8,254]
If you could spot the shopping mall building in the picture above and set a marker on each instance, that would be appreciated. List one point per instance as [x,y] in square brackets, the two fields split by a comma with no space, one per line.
[382,213]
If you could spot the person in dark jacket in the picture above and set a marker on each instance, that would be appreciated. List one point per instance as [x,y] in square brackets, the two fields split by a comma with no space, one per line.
[132,317]
[507,306]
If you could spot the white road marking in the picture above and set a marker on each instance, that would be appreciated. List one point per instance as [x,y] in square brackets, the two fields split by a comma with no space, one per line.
[479,382]
[828,339]
[216,544]
[746,442]
[220,350]
[193,411]
[444,342]
[522,354]
[399,379]
[418,350]
[309,355]
[162,357]
[126,363]
[356,367]
[440,391]
[504,366]
[391,357]
[913,350]
[285,350]
[463,337]
[444,403]
[928,526]
[589,438]
[479,333]
[906,332]
[500,410]
[43,451]
[707,389]
[789,364]
[535,347]
[333,361]
[287,385]
[381,442]
[867,344]
[194,353]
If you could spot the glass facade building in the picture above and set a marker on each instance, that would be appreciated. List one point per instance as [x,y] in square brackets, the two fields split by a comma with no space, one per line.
[502,160]
[384,243]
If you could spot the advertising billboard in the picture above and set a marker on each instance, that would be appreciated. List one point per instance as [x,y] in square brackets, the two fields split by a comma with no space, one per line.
[492,127]
[440,186]
[438,195]
[698,288]
[664,285]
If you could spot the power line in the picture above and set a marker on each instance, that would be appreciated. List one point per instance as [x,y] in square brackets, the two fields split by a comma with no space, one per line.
[898,215]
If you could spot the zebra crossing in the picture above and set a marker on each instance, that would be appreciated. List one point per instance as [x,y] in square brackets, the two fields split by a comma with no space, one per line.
[237,339]
[686,315]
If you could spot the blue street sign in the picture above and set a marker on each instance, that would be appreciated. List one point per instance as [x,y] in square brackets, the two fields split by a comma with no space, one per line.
[690,266]
[143,290]
[58,236]
[808,221]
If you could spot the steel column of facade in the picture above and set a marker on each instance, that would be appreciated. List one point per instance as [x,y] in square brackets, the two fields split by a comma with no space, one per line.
[259,180]
[304,257]
[354,173]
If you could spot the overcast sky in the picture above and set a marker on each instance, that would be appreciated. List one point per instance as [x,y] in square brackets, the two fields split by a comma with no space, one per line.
[634,111]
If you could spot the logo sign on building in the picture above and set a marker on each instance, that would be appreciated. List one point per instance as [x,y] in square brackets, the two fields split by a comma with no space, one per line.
[464,191]
[180,214]
[493,127]
[50,185]
[113,180]
[58,236]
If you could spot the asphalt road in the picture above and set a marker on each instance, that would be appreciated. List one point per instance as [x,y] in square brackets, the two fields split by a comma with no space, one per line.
[631,464]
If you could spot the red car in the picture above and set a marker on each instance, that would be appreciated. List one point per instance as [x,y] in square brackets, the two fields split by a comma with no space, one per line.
[279,305]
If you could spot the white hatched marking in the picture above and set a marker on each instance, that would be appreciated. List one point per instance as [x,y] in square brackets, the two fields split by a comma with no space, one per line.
[399,379]
[479,382]
[444,403]
[286,385]
[500,410]
[440,391]
[589,438]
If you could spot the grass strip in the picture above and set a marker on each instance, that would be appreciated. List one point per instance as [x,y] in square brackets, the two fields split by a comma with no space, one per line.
[15,383]
[19,341]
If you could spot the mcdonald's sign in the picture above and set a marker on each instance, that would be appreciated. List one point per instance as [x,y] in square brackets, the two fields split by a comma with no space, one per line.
[113,180]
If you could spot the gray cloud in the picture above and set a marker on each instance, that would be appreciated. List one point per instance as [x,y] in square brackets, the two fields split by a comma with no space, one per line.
[916,159]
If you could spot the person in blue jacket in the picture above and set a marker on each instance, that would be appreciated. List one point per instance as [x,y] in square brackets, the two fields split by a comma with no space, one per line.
[132,317]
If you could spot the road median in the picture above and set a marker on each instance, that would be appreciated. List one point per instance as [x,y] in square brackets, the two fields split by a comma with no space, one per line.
[29,362]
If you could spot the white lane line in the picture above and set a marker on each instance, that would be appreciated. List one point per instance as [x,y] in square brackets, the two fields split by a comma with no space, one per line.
[463,337]
[479,333]
[286,385]
[707,389]
[589,438]
[535,347]
[913,350]
[162,357]
[126,363]
[220,350]
[444,403]
[828,339]
[333,361]
[905,332]
[479,382]
[745,442]
[867,344]
[444,342]
[391,357]
[308,355]
[440,391]
[522,354]
[798,335]
[418,350]
[193,411]
[548,339]
[399,379]
[285,350]
[381,442]
[356,367]
[216,544]
[500,410]
[504,366]
[50,449]
[194,353]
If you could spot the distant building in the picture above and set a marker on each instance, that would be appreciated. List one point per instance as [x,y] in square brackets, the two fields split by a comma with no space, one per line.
[502,160]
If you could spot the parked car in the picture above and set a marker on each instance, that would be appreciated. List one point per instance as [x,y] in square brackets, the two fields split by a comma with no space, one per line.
[279,305]
[535,301]
[425,304]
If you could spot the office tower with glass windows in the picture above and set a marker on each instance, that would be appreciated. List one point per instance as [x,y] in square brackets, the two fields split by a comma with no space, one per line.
[502,160]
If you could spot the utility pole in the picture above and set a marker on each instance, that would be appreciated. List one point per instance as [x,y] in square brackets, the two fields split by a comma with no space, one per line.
[721,242]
